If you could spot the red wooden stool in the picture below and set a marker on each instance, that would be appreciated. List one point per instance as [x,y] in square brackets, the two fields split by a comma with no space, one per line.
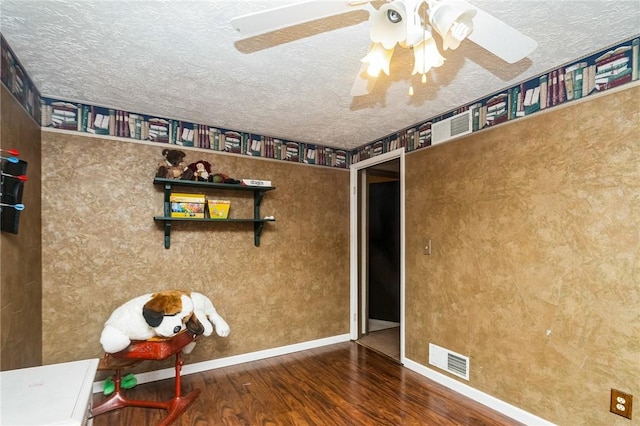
[138,351]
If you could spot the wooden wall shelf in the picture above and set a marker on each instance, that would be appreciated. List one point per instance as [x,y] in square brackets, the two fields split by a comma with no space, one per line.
[258,194]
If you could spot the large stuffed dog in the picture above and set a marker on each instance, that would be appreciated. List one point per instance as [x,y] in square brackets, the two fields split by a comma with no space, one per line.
[163,314]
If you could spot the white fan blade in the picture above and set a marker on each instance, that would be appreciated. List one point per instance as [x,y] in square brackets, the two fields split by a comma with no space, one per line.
[289,15]
[363,85]
[499,38]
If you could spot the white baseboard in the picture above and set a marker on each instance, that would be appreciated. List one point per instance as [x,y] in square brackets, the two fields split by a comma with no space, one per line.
[485,399]
[168,373]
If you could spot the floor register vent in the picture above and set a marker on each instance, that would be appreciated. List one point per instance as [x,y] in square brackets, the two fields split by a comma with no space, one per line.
[449,361]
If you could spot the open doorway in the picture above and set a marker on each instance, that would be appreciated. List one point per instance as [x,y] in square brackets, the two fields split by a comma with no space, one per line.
[377,293]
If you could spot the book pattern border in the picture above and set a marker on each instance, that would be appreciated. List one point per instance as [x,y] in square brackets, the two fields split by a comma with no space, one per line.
[17,81]
[606,69]
[611,67]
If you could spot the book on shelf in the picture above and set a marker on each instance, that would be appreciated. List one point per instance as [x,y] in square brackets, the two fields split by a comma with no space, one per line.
[322,153]
[378,148]
[554,86]
[424,134]
[340,158]
[256,148]
[215,139]
[112,122]
[578,77]
[124,125]
[64,115]
[612,67]
[158,130]
[412,137]
[195,138]
[310,154]
[512,101]
[204,137]
[609,82]
[562,92]
[544,87]
[232,142]
[292,152]
[497,109]
[616,67]
[394,143]
[95,120]
[568,85]
[476,112]
[635,56]
[613,55]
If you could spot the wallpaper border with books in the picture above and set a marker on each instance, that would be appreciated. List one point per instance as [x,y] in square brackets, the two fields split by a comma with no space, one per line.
[612,67]
[17,81]
[596,73]
[88,118]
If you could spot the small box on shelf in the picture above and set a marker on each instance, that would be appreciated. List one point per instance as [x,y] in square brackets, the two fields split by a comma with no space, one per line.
[219,209]
[187,205]
[256,182]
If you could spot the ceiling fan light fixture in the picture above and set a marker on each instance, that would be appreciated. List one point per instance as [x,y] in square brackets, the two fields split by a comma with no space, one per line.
[453,21]
[378,59]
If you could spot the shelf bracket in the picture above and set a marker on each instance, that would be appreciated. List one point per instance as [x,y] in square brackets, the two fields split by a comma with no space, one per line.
[257,200]
[167,200]
[167,234]
[257,231]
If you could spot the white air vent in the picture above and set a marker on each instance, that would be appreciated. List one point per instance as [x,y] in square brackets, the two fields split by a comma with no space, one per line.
[459,124]
[449,361]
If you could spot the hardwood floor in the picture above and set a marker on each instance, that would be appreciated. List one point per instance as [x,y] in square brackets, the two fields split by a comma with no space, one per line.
[341,384]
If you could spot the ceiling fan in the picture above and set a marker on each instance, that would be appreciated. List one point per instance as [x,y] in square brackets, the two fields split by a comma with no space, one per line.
[407,23]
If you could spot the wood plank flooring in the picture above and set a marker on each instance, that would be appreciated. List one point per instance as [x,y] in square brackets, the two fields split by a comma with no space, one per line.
[341,384]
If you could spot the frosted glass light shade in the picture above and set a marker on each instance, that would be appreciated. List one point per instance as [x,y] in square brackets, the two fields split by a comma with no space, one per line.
[384,31]
[426,56]
[453,21]
[378,59]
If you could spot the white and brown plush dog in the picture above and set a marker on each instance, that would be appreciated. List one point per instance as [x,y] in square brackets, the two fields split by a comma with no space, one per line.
[163,314]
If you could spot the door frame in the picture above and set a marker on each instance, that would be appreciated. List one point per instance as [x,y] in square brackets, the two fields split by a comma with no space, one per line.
[356,282]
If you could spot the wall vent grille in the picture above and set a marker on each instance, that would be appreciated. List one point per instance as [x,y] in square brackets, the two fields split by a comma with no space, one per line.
[449,361]
[457,125]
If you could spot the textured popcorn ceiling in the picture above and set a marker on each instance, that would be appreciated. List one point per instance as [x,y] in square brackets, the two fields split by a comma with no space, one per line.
[182,59]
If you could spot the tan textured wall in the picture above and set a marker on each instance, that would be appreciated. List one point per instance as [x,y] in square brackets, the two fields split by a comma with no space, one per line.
[21,263]
[535,226]
[101,247]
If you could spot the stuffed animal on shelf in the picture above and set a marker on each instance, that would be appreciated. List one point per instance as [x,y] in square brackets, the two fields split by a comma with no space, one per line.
[162,314]
[173,166]
[201,170]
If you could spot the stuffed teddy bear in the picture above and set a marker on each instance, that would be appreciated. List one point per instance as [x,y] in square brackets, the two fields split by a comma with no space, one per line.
[173,165]
[163,314]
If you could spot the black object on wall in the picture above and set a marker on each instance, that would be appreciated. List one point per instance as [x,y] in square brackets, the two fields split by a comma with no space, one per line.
[384,251]
[12,188]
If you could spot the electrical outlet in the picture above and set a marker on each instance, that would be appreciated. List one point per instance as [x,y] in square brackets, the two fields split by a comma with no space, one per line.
[621,403]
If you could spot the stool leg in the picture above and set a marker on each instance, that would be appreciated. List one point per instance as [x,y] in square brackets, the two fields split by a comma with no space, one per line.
[178,404]
[118,381]
[179,364]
